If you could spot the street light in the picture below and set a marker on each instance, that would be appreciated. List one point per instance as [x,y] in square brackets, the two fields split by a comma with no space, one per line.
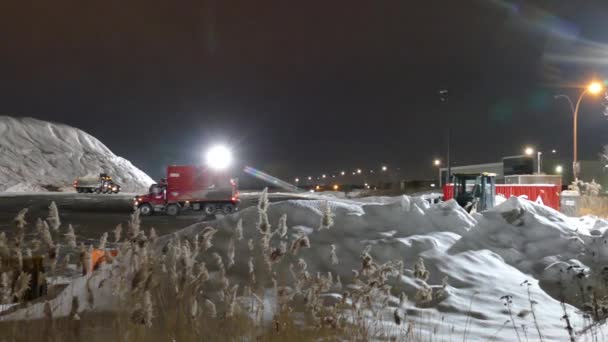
[384,168]
[437,163]
[297,180]
[594,88]
[342,173]
[359,171]
[529,151]
[559,169]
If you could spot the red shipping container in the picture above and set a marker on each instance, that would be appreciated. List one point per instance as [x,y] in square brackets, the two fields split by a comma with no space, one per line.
[547,194]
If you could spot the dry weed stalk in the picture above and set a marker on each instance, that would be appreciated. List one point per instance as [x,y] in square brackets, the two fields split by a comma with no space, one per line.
[53,216]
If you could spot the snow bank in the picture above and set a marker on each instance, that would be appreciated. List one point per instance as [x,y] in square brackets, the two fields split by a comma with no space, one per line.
[519,249]
[36,154]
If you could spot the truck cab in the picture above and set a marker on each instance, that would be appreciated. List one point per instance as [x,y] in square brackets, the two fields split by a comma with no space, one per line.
[475,191]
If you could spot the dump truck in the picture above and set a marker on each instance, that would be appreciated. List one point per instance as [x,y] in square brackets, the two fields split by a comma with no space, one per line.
[96,184]
[190,188]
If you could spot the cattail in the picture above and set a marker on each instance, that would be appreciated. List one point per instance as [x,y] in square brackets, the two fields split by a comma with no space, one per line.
[148,309]
[282,226]
[263,224]
[152,236]
[238,230]
[333,255]
[102,241]
[134,226]
[20,218]
[143,312]
[299,243]
[251,271]
[194,308]
[230,253]
[22,285]
[18,257]
[85,259]
[5,288]
[327,220]
[207,234]
[53,217]
[117,233]
[70,236]
[202,272]
[39,225]
[45,235]
[420,270]
[210,308]
[263,200]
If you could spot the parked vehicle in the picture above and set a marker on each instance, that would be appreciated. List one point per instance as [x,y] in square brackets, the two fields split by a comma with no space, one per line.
[479,191]
[189,187]
[102,184]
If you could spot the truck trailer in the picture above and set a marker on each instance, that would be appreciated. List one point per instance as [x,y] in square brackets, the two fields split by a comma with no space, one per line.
[102,184]
[189,187]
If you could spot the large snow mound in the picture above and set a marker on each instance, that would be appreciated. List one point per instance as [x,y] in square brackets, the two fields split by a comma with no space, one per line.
[36,154]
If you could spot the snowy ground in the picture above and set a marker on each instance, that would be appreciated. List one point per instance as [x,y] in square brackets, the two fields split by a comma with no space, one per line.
[36,154]
[517,247]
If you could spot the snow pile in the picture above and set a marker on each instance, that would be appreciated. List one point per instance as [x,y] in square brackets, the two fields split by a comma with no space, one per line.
[38,154]
[485,270]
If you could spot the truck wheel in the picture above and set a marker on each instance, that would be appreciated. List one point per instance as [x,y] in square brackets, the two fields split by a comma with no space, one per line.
[172,210]
[228,208]
[79,190]
[97,191]
[209,208]
[145,209]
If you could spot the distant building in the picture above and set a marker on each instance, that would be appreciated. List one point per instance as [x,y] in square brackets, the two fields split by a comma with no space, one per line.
[509,166]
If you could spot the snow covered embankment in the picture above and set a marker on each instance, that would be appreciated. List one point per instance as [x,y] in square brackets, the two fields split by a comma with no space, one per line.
[38,154]
[478,277]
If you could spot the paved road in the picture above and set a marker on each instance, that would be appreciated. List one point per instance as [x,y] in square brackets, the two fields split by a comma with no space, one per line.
[93,214]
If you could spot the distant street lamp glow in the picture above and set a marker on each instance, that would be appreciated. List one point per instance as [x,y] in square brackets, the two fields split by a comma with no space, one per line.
[342,173]
[595,88]
[218,157]
[529,151]
[384,168]
[297,180]
[309,178]
[437,162]
[336,187]
[359,171]
[554,151]
[323,176]
[559,169]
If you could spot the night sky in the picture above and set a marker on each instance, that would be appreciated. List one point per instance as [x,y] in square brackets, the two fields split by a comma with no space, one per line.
[308,87]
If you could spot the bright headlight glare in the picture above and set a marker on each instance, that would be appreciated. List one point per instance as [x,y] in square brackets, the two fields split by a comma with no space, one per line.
[219,157]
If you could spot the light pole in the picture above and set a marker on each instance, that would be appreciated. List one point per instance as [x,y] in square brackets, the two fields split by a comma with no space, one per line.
[437,163]
[593,88]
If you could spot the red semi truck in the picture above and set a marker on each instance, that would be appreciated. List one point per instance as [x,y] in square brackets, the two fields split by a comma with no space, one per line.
[189,187]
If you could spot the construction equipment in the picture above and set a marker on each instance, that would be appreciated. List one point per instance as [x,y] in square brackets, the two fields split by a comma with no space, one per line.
[102,184]
[189,187]
[475,191]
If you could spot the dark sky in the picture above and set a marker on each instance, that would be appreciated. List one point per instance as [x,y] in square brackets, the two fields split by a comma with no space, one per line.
[305,87]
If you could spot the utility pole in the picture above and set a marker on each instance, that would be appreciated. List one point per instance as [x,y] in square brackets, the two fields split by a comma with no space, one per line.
[443,96]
